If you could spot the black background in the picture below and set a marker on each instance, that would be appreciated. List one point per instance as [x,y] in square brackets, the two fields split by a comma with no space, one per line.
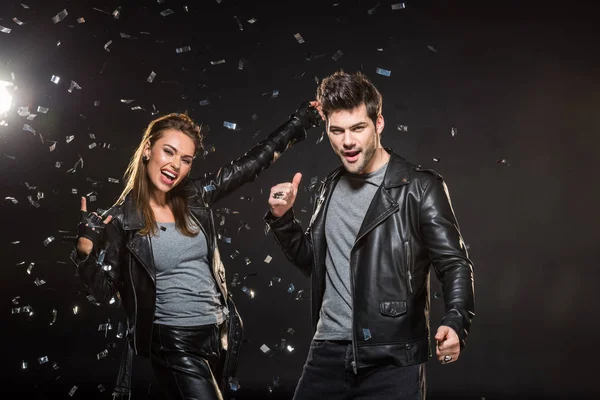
[518,80]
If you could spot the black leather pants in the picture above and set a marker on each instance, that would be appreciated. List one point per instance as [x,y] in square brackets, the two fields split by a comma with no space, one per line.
[185,360]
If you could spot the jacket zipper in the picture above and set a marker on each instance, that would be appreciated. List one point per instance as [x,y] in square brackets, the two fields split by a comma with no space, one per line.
[354,345]
[408,256]
[136,307]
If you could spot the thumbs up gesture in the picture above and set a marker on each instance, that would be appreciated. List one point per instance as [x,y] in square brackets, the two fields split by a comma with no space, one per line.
[283,196]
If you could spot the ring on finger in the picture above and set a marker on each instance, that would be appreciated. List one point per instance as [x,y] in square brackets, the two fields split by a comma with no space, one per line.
[278,195]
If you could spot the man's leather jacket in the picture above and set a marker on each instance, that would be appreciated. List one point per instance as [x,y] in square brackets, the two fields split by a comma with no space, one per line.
[409,226]
[121,264]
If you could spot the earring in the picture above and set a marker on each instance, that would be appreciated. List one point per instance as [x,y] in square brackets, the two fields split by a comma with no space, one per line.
[145,159]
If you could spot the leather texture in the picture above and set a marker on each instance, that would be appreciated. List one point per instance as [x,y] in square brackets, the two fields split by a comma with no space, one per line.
[183,360]
[410,225]
[127,273]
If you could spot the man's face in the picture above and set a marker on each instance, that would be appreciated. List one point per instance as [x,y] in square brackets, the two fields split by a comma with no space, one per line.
[354,138]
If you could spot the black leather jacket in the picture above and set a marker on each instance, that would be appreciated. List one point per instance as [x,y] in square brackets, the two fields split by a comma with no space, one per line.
[409,226]
[121,264]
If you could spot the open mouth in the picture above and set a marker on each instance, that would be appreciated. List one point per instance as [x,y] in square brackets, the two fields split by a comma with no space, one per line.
[168,177]
[351,156]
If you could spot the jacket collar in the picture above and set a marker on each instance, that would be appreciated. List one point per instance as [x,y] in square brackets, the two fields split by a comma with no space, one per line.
[132,218]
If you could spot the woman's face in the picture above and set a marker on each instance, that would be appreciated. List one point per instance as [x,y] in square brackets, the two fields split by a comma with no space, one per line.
[170,160]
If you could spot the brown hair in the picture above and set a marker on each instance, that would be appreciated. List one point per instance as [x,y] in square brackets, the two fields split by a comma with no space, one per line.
[343,91]
[136,176]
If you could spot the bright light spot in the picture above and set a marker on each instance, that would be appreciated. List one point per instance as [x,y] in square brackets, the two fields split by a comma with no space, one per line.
[5,97]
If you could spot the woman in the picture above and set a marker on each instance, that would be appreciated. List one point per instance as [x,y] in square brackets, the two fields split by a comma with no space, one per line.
[157,251]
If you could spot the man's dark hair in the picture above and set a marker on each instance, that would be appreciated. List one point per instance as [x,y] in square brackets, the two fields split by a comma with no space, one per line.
[343,91]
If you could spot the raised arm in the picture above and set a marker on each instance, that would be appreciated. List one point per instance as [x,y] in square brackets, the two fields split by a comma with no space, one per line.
[246,168]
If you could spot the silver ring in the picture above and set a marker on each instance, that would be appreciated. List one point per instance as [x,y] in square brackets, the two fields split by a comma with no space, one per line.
[447,358]
[278,195]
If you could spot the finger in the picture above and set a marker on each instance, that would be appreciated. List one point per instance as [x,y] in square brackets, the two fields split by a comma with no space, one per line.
[277,202]
[296,181]
[83,204]
[108,219]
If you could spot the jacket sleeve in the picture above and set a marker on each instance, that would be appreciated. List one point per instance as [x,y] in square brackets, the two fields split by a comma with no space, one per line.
[246,168]
[448,253]
[296,245]
[100,270]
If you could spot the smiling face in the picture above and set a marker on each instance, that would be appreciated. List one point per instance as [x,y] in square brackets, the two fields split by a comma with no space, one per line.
[170,161]
[355,139]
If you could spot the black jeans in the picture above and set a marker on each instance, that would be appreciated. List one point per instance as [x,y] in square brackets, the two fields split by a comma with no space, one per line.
[185,359]
[328,374]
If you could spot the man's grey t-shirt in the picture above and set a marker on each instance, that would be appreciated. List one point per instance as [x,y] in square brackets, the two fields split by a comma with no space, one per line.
[186,292]
[348,206]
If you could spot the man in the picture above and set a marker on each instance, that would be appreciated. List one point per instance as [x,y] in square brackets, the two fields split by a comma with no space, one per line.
[378,225]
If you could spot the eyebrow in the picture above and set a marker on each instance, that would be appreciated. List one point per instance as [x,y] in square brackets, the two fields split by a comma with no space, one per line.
[175,150]
[358,125]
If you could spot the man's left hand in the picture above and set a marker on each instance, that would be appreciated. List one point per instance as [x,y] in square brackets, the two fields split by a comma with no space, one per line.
[448,345]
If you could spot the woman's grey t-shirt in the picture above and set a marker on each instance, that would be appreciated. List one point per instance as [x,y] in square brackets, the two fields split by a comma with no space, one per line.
[186,293]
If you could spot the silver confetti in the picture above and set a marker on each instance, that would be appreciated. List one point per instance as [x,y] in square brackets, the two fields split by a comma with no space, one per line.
[4,29]
[72,391]
[117,13]
[430,47]
[299,38]
[299,295]
[25,6]
[81,20]
[17,21]
[24,365]
[102,354]
[23,111]
[30,268]
[252,20]
[383,72]
[291,288]
[70,138]
[42,110]
[403,128]
[436,159]
[268,259]
[48,240]
[73,85]
[27,127]
[239,23]
[151,77]
[372,10]
[127,101]
[398,6]
[106,45]
[167,12]
[43,360]
[338,54]
[60,16]
[229,125]
[242,63]
[54,314]
[454,132]
[204,102]
[249,292]
[217,62]
[39,282]
[92,145]
[113,180]
[183,49]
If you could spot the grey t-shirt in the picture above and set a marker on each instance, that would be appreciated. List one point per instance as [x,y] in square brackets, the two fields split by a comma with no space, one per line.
[186,292]
[348,206]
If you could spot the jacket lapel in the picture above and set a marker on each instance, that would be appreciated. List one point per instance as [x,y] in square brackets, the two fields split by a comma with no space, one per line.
[384,204]
[139,246]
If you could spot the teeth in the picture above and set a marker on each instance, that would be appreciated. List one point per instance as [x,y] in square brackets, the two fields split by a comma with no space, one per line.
[170,175]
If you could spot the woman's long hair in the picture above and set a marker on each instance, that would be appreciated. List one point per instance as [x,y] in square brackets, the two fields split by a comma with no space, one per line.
[137,181]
